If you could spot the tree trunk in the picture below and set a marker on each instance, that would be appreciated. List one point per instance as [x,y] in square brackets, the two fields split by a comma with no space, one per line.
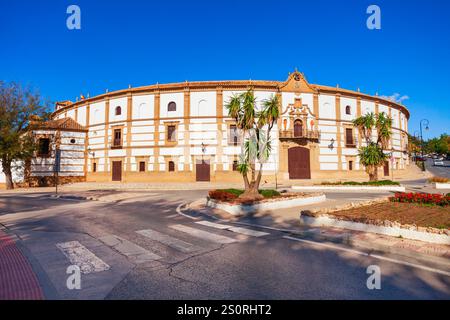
[251,191]
[8,174]
[373,174]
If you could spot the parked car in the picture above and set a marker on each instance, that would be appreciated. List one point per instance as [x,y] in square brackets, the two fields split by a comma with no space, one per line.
[439,163]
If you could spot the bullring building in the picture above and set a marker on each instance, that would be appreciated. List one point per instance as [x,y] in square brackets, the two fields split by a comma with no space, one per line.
[181,132]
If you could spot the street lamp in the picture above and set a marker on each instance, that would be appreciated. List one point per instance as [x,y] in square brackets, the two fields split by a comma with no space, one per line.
[425,123]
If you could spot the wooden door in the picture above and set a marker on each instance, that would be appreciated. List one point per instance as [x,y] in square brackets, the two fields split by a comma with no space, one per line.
[386,168]
[298,163]
[298,128]
[202,171]
[117,171]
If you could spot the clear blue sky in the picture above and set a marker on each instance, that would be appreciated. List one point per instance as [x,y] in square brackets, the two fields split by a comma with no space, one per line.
[144,42]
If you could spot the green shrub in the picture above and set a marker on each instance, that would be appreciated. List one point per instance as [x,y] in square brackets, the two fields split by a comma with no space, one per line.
[269,193]
[338,183]
[236,192]
[367,183]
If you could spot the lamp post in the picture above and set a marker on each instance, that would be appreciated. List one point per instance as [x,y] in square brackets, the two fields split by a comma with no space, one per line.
[417,137]
[425,122]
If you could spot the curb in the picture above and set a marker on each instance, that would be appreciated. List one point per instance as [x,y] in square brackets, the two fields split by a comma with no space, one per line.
[386,230]
[344,238]
[350,188]
[240,209]
[406,253]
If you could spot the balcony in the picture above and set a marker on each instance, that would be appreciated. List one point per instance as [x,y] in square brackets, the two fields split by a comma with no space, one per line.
[313,135]
[117,144]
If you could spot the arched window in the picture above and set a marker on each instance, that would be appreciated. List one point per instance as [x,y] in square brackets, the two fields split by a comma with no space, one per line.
[298,128]
[118,111]
[348,110]
[172,106]
[171,166]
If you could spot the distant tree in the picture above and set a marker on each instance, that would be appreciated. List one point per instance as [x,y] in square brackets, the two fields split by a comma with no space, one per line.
[18,107]
[438,145]
[413,144]
[256,127]
[372,155]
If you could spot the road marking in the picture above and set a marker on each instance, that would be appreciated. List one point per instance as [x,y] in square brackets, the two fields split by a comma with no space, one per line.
[409,264]
[213,225]
[245,231]
[129,249]
[168,240]
[178,210]
[79,255]
[203,234]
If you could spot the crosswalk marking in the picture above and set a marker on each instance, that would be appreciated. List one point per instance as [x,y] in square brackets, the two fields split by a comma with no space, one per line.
[168,240]
[129,249]
[213,225]
[245,231]
[80,256]
[203,234]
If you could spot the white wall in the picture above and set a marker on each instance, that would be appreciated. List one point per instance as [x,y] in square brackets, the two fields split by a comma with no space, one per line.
[178,98]
[327,107]
[143,106]
[203,103]
[113,104]
[97,113]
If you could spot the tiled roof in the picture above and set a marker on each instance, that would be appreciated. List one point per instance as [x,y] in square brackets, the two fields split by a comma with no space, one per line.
[66,124]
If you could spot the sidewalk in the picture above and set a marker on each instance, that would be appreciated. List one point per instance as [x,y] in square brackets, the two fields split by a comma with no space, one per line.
[17,278]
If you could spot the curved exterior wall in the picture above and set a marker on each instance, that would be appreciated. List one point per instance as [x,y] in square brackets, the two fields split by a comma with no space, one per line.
[203,129]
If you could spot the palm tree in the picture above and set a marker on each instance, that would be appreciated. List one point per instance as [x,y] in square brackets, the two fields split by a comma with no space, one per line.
[256,127]
[372,155]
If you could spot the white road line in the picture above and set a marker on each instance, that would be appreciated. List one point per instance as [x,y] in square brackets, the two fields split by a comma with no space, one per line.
[213,225]
[183,214]
[168,240]
[334,247]
[79,255]
[129,249]
[203,234]
[245,231]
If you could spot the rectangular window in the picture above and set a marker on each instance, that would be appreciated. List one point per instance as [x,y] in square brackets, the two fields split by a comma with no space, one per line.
[94,167]
[233,137]
[349,141]
[350,165]
[44,147]
[171,133]
[117,139]
[142,166]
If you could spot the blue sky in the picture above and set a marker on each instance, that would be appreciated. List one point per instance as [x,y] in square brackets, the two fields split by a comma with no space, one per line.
[144,42]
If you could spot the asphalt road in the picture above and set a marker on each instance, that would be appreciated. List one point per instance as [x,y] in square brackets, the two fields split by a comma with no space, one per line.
[441,171]
[179,258]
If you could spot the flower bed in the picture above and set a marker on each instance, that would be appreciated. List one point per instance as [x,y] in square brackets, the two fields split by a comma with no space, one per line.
[429,223]
[232,196]
[422,198]
[438,180]
[365,183]
[228,200]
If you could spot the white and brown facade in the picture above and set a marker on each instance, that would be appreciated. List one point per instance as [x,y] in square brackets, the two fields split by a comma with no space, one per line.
[181,132]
